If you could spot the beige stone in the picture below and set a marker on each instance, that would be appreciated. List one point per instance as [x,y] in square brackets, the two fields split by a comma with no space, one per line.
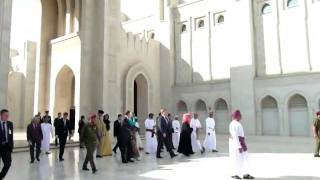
[186,55]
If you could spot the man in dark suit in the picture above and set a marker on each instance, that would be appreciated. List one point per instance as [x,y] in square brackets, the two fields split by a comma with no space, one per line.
[63,130]
[6,141]
[165,131]
[116,131]
[158,133]
[81,125]
[46,117]
[34,138]
[55,124]
[170,132]
[125,139]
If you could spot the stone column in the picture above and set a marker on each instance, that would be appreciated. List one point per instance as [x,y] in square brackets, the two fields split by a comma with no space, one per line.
[259,122]
[284,125]
[285,118]
[243,72]
[312,108]
[242,95]
[61,17]
[110,57]
[5,29]
[31,59]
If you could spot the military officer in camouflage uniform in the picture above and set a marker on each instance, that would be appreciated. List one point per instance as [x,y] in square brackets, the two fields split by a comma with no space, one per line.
[316,134]
[90,139]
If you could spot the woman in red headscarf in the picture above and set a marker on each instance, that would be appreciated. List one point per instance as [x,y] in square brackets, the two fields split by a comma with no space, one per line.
[185,146]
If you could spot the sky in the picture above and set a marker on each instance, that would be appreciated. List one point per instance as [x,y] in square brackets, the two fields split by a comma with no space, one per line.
[26,22]
[133,8]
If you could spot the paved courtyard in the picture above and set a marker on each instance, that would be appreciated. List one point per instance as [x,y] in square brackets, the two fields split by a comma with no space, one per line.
[271,158]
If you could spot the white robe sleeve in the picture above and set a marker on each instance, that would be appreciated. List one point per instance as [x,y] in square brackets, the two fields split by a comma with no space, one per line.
[146,124]
[210,125]
[192,123]
[234,128]
[198,124]
[52,132]
[179,127]
[149,124]
[213,125]
[207,126]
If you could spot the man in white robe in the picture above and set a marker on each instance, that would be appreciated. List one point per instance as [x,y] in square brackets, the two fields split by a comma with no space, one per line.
[176,132]
[210,142]
[195,141]
[151,139]
[47,130]
[238,151]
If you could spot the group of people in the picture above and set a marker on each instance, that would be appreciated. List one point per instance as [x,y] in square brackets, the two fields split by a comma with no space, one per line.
[160,132]
[186,139]
[40,131]
[94,135]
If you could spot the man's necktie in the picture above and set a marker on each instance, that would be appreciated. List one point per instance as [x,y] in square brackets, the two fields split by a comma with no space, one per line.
[4,132]
[2,138]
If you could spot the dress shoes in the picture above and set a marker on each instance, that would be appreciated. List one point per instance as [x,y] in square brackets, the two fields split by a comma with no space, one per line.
[85,169]
[236,177]
[94,171]
[248,176]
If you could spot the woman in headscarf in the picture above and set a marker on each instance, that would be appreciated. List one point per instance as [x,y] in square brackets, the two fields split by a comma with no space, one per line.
[106,141]
[185,146]
[137,127]
[134,142]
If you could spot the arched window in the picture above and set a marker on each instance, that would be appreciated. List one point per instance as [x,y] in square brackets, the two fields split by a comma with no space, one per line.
[201,23]
[200,105]
[183,28]
[292,3]
[266,9]
[220,19]
[182,107]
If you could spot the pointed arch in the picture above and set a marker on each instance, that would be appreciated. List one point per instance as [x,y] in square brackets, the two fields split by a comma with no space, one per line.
[222,116]
[64,90]
[201,110]
[182,107]
[298,115]
[266,9]
[270,116]
[141,97]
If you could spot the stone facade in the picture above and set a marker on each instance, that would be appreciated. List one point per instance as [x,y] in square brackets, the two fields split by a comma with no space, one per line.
[259,56]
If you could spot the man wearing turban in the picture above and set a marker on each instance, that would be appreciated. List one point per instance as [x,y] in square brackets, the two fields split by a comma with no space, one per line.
[90,139]
[238,150]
